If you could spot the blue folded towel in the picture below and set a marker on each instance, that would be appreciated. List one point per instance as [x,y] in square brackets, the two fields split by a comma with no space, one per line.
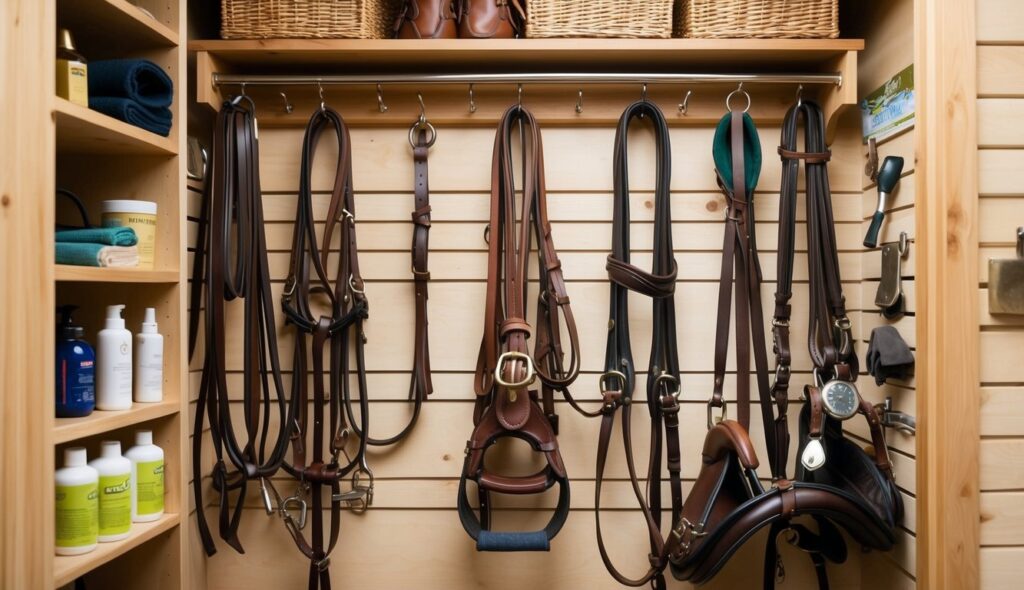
[138,79]
[110,236]
[157,120]
[84,254]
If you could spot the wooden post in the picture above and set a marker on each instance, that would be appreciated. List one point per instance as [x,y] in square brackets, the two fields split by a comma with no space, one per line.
[27,295]
[947,280]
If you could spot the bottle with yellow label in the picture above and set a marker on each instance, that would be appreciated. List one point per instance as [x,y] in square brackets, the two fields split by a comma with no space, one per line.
[115,501]
[72,71]
[147,478]
[77,491]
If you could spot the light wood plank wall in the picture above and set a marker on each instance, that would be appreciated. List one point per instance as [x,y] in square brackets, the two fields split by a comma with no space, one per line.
[889,48]
[413,515]
[1001,209]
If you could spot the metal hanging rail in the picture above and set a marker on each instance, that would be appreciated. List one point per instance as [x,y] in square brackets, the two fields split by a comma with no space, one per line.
[835,79]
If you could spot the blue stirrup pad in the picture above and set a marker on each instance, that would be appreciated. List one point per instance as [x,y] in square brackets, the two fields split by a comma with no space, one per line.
[513,541]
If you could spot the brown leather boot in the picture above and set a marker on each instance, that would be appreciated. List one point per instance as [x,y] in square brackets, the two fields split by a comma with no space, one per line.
[490,19]
[427,19]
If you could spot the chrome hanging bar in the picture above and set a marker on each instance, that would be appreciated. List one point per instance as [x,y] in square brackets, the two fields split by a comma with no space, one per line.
[835,79]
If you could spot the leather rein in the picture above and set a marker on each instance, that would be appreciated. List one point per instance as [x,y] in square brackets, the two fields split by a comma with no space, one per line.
[619,378]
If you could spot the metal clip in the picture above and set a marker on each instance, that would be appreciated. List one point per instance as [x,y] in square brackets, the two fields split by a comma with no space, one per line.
[889,296]
[891,418]
[286,507]
[265,493]
[360,497]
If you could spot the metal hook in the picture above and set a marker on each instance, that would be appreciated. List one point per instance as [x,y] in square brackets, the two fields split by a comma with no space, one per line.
[739,90]
[643,92]
[423,109]
[288,108]
[320,90]
[799,96]
[472,100]
[685,105]
[519,96]
[380,99]
[579,101]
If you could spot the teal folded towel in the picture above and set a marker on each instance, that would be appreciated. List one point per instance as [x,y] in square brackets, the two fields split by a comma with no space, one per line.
[86,254]
[110,236]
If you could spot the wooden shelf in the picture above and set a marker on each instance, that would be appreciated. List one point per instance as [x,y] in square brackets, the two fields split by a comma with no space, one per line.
[68,567]
[92,274]
[92,22]
[370,54]
[99,422]
[81,130]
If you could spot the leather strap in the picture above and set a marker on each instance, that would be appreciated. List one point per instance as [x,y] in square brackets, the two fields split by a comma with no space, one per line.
[237,268]
[333,315]
[505,367]
[618,381]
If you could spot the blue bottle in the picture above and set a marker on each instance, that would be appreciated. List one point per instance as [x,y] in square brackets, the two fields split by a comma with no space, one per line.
[76,369]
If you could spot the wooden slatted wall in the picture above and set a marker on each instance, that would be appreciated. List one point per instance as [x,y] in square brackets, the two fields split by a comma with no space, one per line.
[889,47]
[1001,210]
[412,537]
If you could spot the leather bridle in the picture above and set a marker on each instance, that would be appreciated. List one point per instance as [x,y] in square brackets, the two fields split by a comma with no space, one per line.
[505,406]
[619,377]
[237,268]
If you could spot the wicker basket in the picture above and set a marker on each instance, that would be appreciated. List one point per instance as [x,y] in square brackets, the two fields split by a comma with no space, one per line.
[599,18]
[757,19]
[305,19]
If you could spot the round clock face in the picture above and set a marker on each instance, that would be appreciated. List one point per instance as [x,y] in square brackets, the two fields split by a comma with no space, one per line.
[840,399]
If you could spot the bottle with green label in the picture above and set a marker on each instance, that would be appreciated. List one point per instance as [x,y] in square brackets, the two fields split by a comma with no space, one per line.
[147,478]
[115,492]
[77,489]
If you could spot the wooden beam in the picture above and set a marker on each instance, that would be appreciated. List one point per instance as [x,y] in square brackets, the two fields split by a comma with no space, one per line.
[27,297]
[947,280]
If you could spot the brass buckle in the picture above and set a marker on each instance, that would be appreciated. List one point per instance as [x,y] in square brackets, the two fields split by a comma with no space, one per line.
[512,386]
[603,379]
[695,531]
[674,382]
[724,416]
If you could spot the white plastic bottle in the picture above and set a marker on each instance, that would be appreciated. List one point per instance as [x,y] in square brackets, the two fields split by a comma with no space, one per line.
[77,518]
[114,363]
[147,478]
[115,503]
[149,361]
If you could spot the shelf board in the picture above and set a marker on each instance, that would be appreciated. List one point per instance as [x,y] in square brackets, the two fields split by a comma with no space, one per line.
[70,429]
[68,567]
[92,22]
[81,130]
[369,54]
[93,274]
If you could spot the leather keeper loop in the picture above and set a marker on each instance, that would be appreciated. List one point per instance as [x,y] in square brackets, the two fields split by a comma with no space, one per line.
[807,157]
[515,325]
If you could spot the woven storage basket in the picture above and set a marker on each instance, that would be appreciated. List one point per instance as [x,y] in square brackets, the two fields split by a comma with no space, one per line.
[599,18]
[757,19]
[304,19]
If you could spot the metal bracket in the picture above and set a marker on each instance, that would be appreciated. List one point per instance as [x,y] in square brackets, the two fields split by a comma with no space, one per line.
[895,419]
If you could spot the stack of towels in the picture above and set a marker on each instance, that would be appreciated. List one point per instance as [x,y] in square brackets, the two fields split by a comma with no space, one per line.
[136,91]
[98,246]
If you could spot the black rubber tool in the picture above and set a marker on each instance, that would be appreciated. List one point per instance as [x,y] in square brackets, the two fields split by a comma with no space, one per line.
[888,178]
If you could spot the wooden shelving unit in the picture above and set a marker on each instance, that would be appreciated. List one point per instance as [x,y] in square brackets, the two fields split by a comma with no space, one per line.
[81,130]
[66,568]
[98,158]
[65,272]
[100,422]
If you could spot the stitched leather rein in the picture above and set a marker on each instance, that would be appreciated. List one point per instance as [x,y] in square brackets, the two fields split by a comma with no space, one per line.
[619,379]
